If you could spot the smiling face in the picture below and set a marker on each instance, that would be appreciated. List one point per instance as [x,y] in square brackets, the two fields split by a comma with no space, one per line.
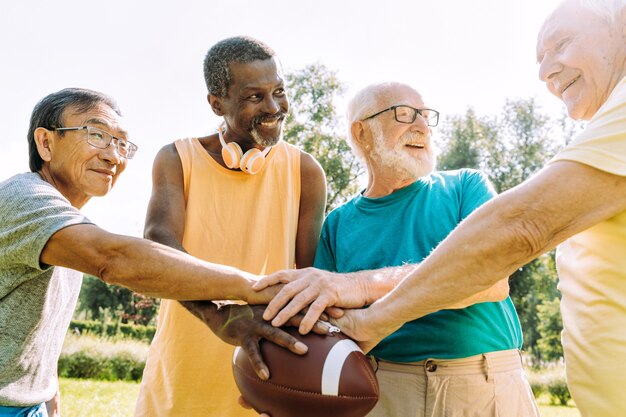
[77,169]
[256,105]
[399,150]
[582,57]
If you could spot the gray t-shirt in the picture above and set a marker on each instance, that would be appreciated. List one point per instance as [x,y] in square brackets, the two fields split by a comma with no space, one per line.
[36,301]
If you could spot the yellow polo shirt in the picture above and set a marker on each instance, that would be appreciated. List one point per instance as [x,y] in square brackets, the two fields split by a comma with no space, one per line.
[592,273]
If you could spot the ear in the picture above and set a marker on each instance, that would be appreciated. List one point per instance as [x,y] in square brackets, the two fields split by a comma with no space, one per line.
[43,138]
[358,133]
[216,104]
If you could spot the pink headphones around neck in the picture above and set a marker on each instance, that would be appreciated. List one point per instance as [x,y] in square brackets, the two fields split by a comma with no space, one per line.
[250,162]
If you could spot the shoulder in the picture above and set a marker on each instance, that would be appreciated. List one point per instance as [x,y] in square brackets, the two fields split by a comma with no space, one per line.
[28,188]
[342,212]
[465,181]
[168,151]
[459,177]
[34,207]
[309,163]
[310,169]
[168,157]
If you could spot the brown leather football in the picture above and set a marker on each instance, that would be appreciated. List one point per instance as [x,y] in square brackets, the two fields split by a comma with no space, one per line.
[334,378]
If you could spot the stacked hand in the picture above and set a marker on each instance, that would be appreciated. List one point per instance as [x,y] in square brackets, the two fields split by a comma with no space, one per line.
[311,290]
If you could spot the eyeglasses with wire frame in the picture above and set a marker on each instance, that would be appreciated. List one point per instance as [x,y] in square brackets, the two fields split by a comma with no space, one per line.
[100,139]
[407,114]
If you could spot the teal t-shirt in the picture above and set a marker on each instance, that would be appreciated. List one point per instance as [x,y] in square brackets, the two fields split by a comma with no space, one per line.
[404,227]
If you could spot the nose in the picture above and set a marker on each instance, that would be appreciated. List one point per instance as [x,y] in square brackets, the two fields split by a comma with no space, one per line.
[271,104]
[111,154]
[420,125]
[548,67]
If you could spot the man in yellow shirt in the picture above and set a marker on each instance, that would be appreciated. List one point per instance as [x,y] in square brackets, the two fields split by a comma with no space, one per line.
[240,197]
[578,201]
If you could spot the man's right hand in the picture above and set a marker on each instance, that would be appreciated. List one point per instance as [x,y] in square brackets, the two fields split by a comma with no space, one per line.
[319,291]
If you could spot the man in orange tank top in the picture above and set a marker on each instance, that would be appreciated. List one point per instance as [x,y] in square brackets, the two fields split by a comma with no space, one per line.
[240,197]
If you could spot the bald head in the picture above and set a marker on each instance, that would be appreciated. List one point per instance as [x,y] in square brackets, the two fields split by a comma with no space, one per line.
[374,98]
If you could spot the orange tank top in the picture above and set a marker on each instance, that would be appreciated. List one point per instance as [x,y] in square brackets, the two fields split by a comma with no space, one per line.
[232,218]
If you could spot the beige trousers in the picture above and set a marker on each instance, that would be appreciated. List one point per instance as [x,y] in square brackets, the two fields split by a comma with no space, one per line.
[489,385]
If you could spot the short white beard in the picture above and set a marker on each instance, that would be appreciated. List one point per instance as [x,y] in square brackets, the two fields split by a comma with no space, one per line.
[396,161]
[265,142]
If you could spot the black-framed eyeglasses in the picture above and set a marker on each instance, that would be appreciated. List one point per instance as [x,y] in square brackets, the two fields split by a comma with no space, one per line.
[100,139]
[407,114]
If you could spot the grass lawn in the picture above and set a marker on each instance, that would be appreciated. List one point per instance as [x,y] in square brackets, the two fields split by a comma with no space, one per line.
[548,410]
[84,397]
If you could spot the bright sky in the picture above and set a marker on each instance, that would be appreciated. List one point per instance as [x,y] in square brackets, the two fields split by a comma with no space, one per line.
[148,55]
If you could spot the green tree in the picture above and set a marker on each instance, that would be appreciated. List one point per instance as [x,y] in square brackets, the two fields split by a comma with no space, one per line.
[549,328]
[464,139]
[313,125]
[100,300]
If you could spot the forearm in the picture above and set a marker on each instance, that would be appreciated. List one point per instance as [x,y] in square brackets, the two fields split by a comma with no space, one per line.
[160,271]
[375,284]
[498,292]
[206,311]
[146,267]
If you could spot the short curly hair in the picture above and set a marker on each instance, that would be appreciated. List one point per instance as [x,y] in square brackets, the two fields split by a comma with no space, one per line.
[217,61]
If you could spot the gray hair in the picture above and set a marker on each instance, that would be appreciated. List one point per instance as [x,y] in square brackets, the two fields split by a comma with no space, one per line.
[242,49]
[609,10]
[365,103]
[48,113]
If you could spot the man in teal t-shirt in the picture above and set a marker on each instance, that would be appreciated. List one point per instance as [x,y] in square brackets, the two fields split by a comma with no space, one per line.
[462,362]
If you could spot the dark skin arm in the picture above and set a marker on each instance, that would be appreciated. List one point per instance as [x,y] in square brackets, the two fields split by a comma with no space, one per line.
[165,224]
[312,205]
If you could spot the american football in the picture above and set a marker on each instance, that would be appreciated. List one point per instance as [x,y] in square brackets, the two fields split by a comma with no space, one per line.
[334,378]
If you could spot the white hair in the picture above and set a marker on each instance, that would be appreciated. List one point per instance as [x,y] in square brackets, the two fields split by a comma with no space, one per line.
[365,103]
[609,10]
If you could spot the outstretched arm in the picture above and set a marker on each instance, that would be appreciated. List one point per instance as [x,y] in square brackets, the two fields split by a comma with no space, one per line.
[146,267]
[318,289]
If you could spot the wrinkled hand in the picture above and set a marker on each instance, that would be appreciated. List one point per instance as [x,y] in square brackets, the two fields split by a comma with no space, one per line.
[313,288]
[358,326]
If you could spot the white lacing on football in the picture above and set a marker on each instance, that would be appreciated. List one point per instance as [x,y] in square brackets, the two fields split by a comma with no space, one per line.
[331,374]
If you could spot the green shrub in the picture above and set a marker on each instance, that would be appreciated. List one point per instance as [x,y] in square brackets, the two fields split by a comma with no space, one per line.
[88,365]
[551,381]
[92,357]
[559,393]
[537,387]
[113,329]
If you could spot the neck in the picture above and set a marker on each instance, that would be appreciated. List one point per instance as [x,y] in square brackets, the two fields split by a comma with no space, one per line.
[75,200]
[244,143]
[381,187]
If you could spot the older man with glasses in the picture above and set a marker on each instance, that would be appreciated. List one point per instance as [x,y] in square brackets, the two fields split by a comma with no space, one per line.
[78,149]
[464,361]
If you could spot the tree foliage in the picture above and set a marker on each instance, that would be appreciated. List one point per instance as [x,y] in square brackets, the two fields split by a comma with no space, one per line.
[313,125]
[99,301]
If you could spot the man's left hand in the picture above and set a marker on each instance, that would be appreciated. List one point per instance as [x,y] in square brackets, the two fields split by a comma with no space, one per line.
[243,325]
